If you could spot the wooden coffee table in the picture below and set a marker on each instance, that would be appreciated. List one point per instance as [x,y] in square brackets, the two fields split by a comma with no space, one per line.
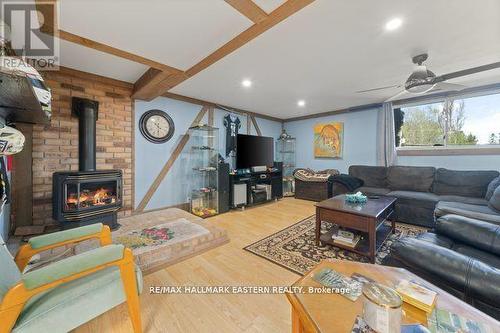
[323,312]
[368,218]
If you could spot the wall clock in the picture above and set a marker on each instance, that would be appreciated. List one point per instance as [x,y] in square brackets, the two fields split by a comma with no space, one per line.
[156,126]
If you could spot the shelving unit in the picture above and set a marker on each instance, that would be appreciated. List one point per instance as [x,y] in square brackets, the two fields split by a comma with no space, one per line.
[285,152]
[203,148]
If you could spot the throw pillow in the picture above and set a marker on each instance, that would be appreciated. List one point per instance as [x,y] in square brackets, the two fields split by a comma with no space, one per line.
[494,202]
[492,187]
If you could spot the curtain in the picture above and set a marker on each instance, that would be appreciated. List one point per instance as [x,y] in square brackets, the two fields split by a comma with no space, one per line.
[386,146]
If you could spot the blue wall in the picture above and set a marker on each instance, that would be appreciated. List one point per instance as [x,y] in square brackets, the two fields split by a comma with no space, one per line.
[360,135]
[461,162]
[150,157]
[360,146]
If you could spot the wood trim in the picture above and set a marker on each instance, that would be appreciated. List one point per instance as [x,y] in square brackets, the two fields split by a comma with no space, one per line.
[249,9]
[451,151]
[92,44]
[219,106]
[170,162]
[22,180]
[257,129]
[151,80]
[365,107]
[249,125]
[167,81]
[132,166]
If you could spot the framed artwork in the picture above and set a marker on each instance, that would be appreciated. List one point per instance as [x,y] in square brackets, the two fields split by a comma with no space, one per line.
[329,140]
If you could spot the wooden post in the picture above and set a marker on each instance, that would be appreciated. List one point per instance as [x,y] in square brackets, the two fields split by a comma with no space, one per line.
[22,180]
[257,129]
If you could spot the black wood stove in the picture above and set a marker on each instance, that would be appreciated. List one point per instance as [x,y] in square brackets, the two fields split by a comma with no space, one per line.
[86,196]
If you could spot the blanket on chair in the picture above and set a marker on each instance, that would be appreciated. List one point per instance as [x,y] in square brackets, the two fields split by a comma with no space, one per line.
[309,175]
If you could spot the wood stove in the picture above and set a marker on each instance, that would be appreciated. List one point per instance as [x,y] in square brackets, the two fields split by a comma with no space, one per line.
[86,196]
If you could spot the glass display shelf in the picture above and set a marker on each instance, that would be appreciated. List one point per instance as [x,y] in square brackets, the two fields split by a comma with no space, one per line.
[202,155]
[286,153]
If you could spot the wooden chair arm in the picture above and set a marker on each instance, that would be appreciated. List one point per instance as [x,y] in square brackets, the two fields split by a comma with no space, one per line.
[26,252]
[17,296]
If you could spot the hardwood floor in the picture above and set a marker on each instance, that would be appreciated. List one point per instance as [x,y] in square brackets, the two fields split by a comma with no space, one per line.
[226,265]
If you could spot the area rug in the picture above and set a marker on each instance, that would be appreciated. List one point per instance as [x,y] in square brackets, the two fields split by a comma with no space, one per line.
[294,247]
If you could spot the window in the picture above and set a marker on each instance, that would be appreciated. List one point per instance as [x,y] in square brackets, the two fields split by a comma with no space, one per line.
[451,122]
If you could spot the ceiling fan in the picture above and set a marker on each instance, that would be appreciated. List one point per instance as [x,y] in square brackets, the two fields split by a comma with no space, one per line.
[423,81]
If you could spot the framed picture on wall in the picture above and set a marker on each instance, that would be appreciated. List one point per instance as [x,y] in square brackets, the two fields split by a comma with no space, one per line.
[329,140]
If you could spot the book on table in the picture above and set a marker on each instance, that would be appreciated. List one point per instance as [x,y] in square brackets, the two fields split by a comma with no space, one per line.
[345,237]
[417,295]
[351,243]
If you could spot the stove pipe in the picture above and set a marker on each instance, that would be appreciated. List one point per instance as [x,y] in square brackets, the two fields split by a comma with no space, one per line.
[86,110]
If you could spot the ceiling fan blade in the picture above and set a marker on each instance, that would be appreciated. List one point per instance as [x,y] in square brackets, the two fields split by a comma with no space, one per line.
[445,86]
[468,71]
[379,88]
[399,95]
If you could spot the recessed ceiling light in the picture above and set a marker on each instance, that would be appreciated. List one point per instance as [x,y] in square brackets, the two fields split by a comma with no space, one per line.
[393,24]
[301,103]
[246,83]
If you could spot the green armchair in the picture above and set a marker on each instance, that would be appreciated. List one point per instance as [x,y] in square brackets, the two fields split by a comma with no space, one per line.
[65,294]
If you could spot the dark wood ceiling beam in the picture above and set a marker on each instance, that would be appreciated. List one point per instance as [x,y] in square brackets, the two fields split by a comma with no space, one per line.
[249,9]
[167,81]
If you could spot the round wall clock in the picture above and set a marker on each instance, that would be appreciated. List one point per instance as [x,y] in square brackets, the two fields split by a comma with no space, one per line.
[156,126]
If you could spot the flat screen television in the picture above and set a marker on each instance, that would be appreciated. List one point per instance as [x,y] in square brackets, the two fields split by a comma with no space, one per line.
[254,151]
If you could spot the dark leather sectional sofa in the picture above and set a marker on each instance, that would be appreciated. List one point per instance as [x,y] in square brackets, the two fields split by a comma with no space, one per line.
[423,190]
[461,251]
[461,256]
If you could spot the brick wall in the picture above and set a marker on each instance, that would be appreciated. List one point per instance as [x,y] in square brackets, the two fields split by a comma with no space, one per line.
[55,146]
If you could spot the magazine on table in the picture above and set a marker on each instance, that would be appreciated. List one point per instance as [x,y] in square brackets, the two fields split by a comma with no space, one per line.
[333,279]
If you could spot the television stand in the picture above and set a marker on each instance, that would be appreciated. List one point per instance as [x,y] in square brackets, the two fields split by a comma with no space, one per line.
[253,188]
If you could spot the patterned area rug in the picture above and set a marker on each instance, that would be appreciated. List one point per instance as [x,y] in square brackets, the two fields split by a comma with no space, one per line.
[294,249]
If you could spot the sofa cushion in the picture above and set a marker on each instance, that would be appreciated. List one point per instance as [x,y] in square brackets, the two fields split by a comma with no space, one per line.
[492,186]
[483,256]
[438,240]
[494,202]
[410,178]
[423,199]
[373,190]
[483,213]
[475,233]
[372,176]
[415,207]
[467,200]
[463,183]
[449,268]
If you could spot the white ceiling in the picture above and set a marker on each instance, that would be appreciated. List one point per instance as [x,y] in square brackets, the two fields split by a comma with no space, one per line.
[323,53]
[179,33]
[88,60]
[269,5]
